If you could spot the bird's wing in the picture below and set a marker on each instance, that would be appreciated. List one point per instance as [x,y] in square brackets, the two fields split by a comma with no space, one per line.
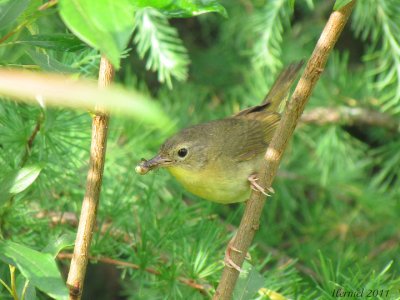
[278,92]
[251,135]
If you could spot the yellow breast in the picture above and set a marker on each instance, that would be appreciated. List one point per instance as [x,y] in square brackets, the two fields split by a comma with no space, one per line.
[217,184]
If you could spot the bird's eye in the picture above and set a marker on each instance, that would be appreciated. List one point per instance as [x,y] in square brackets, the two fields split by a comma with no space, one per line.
[182,152]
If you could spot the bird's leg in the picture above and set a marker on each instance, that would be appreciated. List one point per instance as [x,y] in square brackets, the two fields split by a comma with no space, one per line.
[256,187]
[228,260]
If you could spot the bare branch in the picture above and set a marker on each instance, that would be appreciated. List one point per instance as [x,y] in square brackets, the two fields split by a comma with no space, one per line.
[350,116]
[202,288]
[71,219]
[31,139]
[90,203]
[251,218]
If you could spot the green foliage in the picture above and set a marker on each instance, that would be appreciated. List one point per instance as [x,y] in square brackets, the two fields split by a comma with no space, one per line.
[57,41]
[183,8]
[39,268]
[266,29]
[332,224]
[106,27]
[340,3]
[377,22]
[16,182]
[165,51]
[249,283]
[338,280]
[10,10]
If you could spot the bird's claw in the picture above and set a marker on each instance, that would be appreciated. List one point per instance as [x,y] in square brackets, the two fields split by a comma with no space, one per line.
[227,259]
[230,263]
[256,187]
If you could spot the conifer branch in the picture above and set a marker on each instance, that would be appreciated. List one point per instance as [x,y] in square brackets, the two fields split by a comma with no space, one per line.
[251,219]
[202,288]
[160,44]
[71,219]
[349,116]
[90,203]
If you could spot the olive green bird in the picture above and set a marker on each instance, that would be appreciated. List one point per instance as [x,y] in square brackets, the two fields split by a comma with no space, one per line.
[216,160]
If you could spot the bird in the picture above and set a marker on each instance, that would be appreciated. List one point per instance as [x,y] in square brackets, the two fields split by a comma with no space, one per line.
[219,160]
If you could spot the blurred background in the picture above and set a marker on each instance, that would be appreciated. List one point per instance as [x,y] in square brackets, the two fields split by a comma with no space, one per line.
[331,225]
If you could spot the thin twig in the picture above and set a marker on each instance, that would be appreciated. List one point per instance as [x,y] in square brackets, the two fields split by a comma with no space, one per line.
[350,116]
[71,219]
[90,203]
[387,245]
[251,218]
[31,139]
[48,4]
[28,149]
[202,288]
[278,254]
[12,32]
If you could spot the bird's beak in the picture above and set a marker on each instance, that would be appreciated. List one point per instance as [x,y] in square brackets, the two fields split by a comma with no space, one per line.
[147,165]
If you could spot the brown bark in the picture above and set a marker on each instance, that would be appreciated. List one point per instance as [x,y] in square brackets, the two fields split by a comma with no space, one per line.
[251,218]
[350,116]
[90,203]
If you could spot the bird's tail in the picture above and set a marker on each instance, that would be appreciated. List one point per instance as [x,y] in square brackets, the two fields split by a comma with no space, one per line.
[281,86]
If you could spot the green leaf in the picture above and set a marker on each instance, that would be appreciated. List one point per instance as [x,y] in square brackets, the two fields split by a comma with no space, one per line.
[291,4]
[184,8]
[26,288]
[6,260]
[24,178]
[105,25]
[249,282]
[39,268]
[341,3]
[10,10]
[17,181]
[66,240]
[49,64]
[58,42]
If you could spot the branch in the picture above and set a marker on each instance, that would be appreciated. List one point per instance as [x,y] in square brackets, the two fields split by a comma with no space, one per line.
[387,245]
[71,219]
[90,203]
[350,116]
[279,255]
[14,31]
[202,288]
[31,139]
[251,218]
[48,4]
[28,149]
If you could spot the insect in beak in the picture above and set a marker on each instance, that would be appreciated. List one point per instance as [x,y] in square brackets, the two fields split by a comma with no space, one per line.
[147,165]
